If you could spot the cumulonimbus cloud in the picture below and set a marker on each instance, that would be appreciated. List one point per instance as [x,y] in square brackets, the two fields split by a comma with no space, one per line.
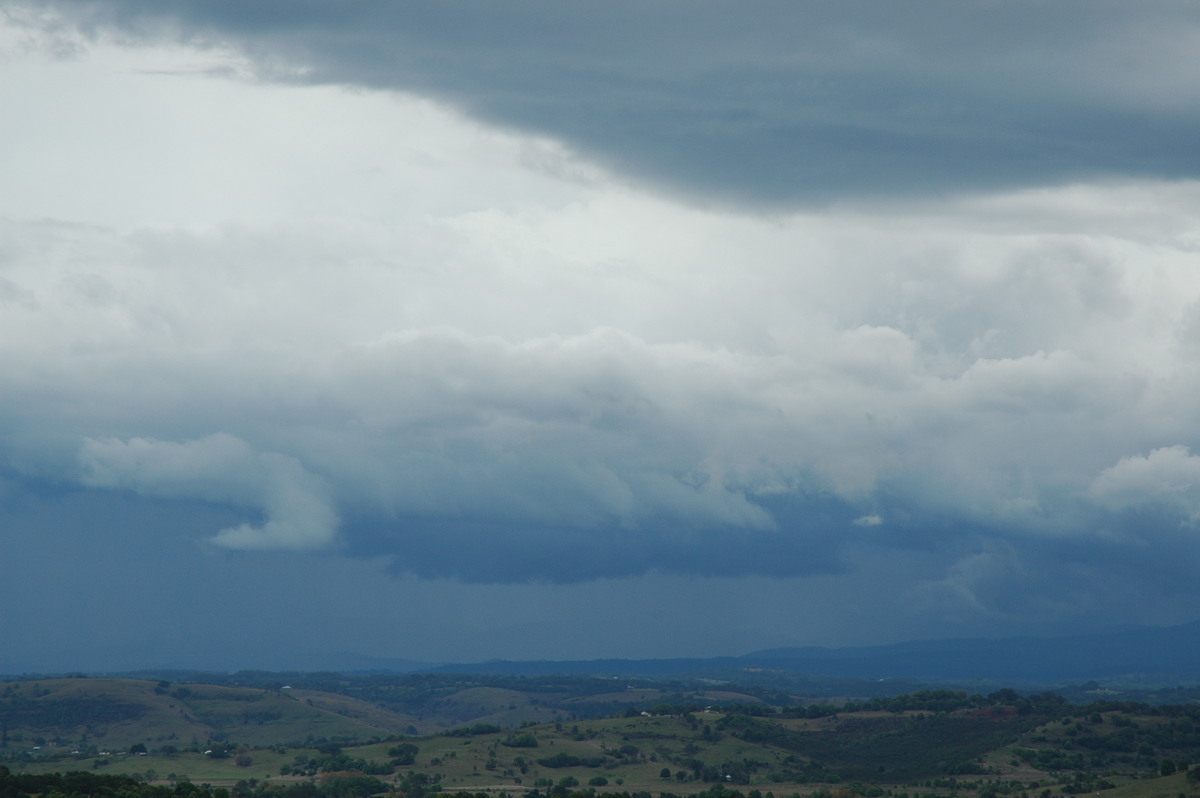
[296,504]
[489,367]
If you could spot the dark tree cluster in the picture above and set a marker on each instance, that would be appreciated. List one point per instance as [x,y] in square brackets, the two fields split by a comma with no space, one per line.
[95,785]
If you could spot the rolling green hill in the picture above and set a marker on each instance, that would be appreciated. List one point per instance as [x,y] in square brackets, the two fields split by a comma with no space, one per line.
[930,744]
[114,714]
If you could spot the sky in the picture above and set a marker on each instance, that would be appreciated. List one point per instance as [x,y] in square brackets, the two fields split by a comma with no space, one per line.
[453,331]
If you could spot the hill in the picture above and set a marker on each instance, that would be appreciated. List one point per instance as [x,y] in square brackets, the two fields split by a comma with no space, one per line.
[1169,655]
[263,709]
[118,713]
[929,744]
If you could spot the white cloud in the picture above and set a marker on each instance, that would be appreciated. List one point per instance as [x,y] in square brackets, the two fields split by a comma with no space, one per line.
[1168,476]
[445,321]
[367,324]
[221,468]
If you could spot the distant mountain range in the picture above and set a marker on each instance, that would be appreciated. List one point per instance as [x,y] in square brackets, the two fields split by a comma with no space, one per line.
[1151,655]
[1167,654]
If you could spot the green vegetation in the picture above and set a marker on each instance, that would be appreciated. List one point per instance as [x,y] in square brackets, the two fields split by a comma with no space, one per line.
[113,714]
[675,740]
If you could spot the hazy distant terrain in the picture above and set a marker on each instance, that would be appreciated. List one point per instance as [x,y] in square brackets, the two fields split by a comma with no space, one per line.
[1142,655]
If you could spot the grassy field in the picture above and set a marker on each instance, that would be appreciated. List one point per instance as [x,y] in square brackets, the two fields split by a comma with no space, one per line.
[187,766]
[284,734]
[630,754]
[1162,787]
[114,714]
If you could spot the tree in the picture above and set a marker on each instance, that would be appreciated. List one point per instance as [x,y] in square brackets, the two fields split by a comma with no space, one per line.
[665,774]
[403,754]
[525,740]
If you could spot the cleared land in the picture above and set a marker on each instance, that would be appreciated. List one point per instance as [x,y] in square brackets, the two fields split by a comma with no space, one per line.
[934,743]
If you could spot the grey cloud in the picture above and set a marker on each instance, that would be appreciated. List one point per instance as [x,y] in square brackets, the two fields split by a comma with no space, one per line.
[505,456]
[465,370]
[766,104]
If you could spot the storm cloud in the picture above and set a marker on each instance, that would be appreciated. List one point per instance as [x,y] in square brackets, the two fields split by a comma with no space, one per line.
[885,314]
[765,104]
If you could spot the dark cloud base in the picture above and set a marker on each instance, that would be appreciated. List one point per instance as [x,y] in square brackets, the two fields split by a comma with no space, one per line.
[769,105]
[492,552]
